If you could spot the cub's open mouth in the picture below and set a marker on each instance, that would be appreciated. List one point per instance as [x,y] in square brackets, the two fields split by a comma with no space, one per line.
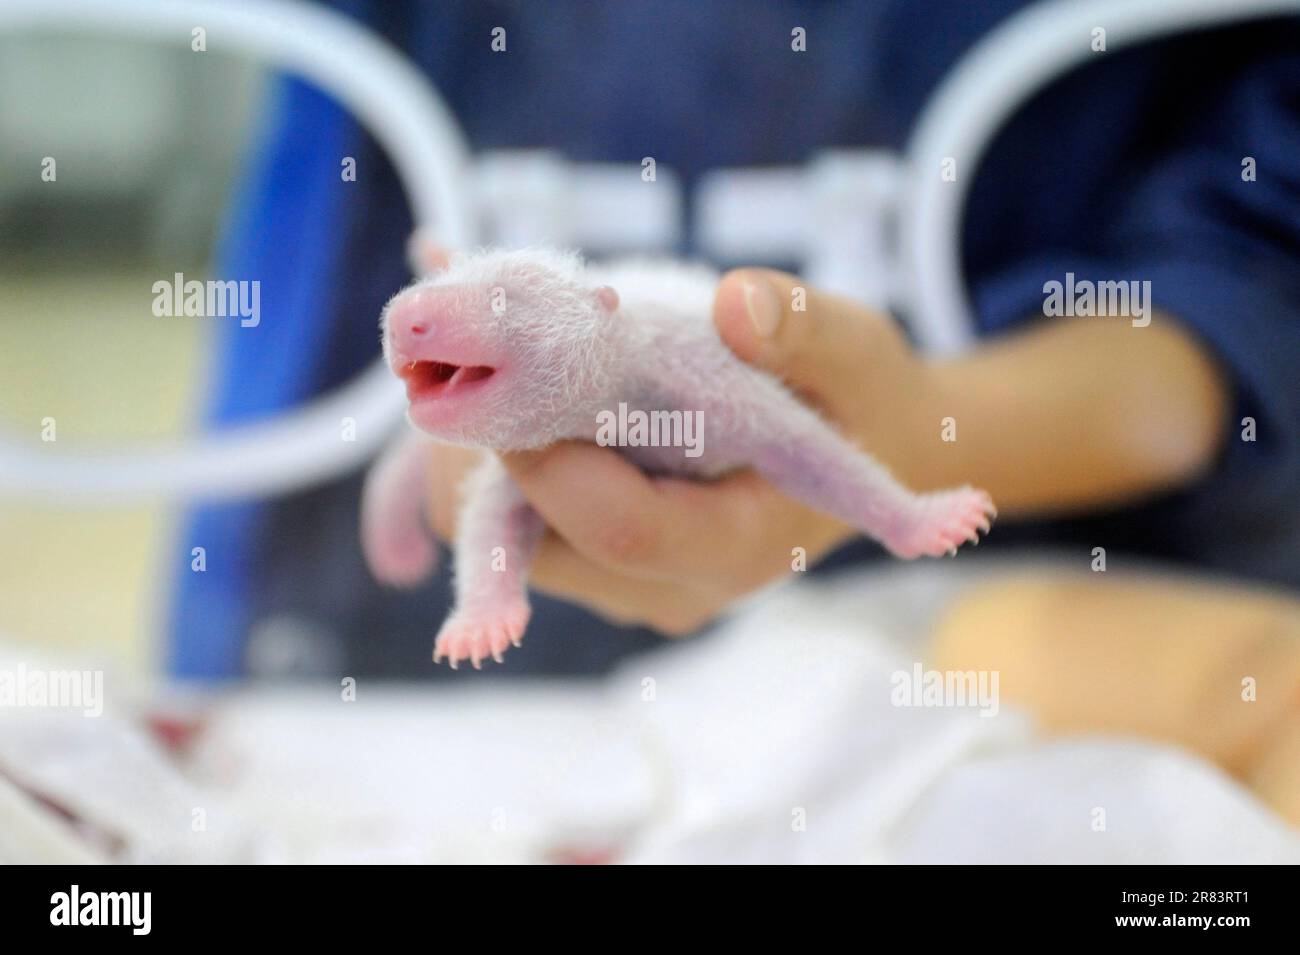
[433,379]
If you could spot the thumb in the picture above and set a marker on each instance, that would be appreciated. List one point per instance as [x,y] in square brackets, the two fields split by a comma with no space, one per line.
[813,341]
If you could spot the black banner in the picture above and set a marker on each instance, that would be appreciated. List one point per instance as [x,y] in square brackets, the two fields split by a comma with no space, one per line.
[209,904]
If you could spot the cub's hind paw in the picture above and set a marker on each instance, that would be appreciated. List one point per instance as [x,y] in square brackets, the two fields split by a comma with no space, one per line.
[482,635]
[942,522]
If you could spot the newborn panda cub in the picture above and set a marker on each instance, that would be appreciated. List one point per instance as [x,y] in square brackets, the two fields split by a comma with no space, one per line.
[514,350]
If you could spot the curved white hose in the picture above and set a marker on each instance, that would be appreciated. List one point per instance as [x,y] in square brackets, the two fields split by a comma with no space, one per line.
[978,96]
[420,135]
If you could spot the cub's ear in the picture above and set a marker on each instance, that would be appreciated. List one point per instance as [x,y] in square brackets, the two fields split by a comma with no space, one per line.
[425,255]
[607,298]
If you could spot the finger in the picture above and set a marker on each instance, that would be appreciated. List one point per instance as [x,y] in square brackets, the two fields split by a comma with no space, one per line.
[614,514]
[814,341]
[671,608]
[677,607]
[425,254]
[448,466]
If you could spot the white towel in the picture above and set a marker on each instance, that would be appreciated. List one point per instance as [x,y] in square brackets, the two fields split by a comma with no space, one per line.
[775,739]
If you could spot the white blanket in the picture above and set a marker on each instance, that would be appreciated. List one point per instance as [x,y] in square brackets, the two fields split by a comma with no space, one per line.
[773,740]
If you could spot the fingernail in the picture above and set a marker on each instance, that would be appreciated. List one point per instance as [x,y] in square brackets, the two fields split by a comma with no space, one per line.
[763,308]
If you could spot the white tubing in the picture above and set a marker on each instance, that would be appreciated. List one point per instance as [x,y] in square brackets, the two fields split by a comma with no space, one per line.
[394,101]
[975,100]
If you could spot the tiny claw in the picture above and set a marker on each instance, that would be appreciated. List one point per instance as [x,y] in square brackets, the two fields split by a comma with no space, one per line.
[518,641]
[452,661]
[496,655]
[952,552]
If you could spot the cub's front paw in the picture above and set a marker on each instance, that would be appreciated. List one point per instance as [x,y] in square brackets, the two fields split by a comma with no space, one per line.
[398,556]
[476,635]
[942,522]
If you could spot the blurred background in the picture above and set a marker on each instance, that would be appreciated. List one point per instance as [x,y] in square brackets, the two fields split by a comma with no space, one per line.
[149,143]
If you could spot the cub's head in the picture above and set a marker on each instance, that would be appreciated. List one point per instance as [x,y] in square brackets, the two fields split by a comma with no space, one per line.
[503,349]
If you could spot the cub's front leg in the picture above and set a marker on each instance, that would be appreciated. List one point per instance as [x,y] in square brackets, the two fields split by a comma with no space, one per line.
[394,538]
[495,541]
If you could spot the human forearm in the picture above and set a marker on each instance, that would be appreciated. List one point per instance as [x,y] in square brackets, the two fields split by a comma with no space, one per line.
[1075,414]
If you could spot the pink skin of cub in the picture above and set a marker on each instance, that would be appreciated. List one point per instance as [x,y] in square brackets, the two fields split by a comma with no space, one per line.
[517,350]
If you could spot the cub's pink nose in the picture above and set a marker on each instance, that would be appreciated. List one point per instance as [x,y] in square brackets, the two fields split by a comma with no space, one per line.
[411,320]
